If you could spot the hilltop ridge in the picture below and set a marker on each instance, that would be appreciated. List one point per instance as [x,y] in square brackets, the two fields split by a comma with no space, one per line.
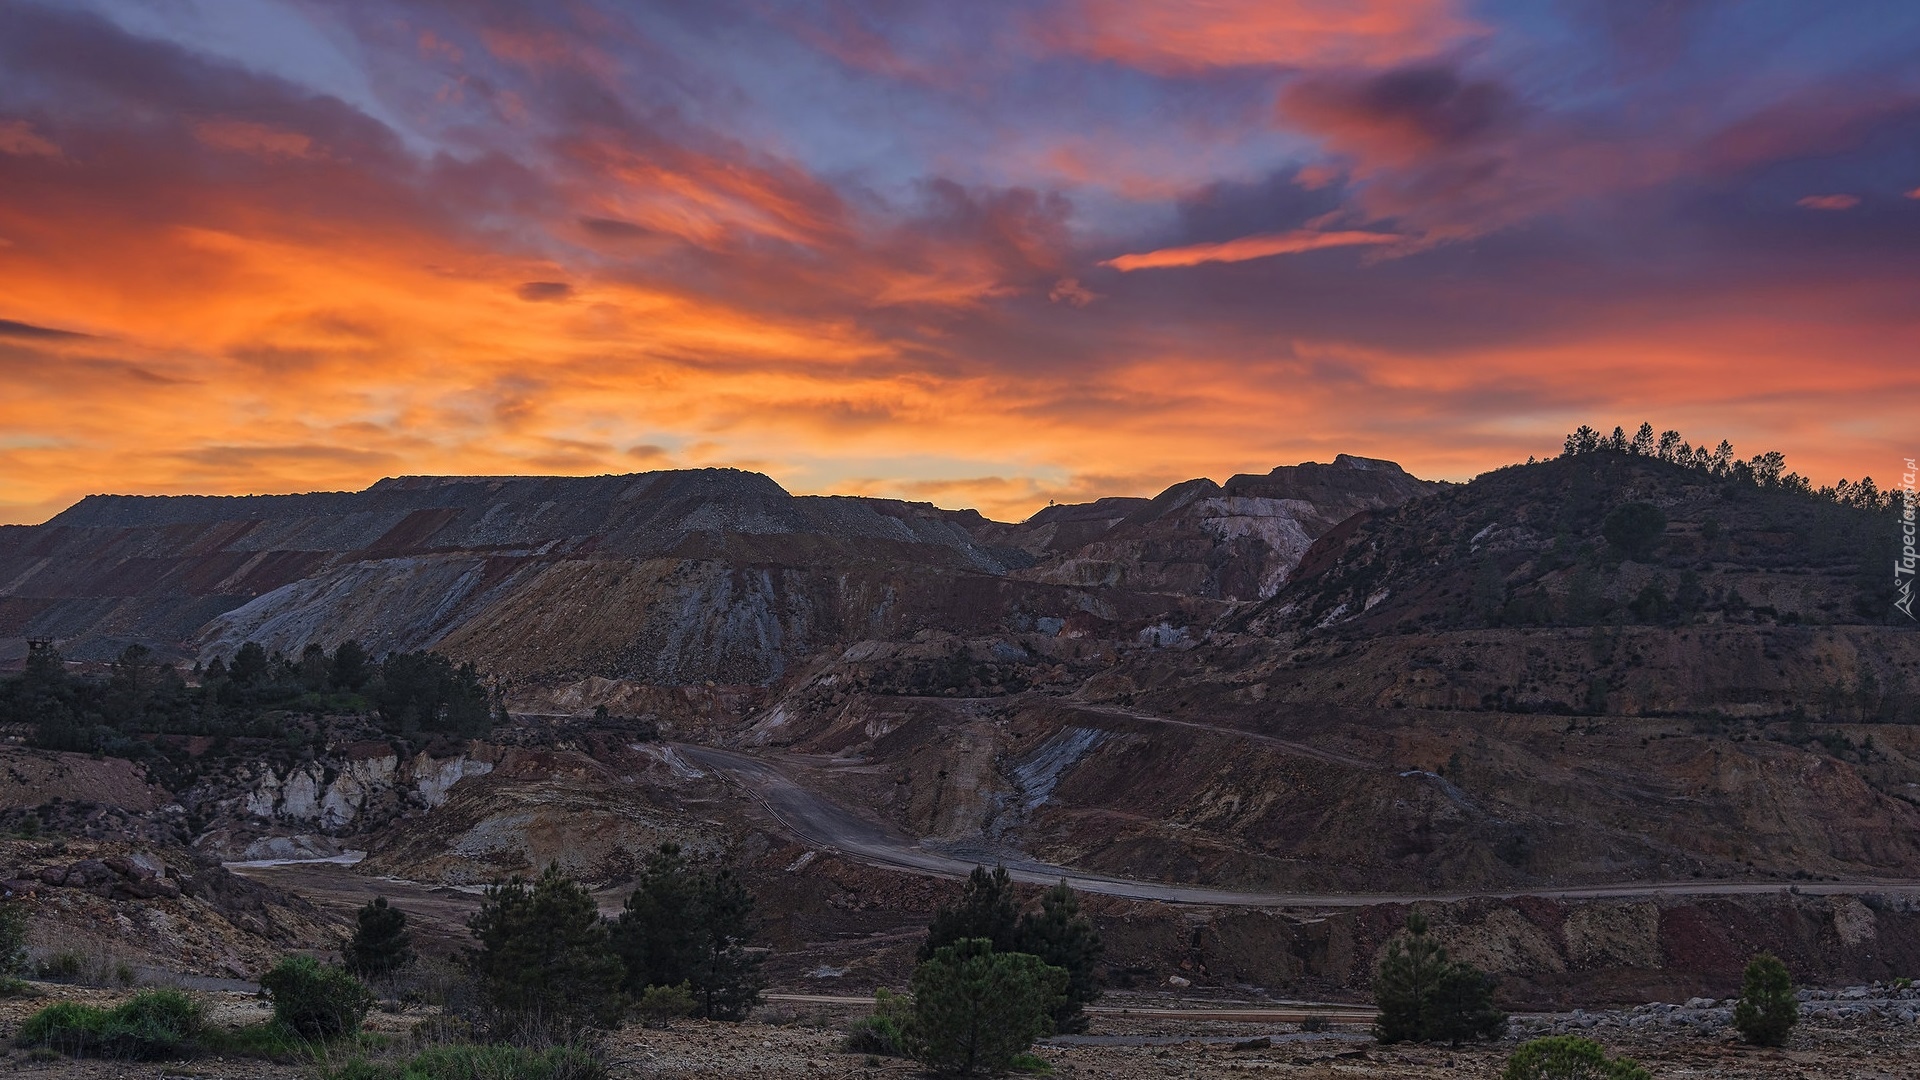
[699,575]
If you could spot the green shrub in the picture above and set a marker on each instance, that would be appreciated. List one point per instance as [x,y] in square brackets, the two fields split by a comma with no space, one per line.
[1569,1057]
[975,1010]
[659,1004]
[474,1062]
[1425,997]
[268,1039]
[66,1026]
[1767,1009]
[316,1001]
[151,1024]
[889,1031]
[65,964]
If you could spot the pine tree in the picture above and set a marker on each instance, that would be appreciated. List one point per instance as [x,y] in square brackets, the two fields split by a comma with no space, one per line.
[250,664]
[544,958]
[986,910]
[1424,996]
[1062,937]
[1460,1007]
[314,667]
[381,944]
[1767,1010]
[656,935]
[349,670]
[1409,971]
[727,981]
[975,1009]
[681,927]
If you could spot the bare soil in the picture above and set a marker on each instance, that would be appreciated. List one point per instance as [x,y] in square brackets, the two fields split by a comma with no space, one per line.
[793,1040]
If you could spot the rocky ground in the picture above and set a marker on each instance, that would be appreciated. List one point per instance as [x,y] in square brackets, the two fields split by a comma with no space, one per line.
[803,1041]
[102,906]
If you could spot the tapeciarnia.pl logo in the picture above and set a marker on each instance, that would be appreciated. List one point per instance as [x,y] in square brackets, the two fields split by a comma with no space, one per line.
[1903,566]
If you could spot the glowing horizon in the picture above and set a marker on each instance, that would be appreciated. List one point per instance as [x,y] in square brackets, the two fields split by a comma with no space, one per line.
[987,256]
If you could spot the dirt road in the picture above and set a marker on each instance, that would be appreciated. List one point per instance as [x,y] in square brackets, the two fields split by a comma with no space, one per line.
[823,823]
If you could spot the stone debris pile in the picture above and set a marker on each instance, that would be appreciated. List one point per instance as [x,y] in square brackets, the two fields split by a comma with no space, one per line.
[1897,1001]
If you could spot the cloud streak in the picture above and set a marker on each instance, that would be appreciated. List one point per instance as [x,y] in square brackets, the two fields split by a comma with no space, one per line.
[1249,247]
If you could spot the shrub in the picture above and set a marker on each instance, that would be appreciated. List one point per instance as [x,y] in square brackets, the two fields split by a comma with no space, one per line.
[659,1004]
[1569,1057]
[544,958]
[268,1039]
[1767,1009]
[1425,997]
[380,944]
[481,1063]
[316,1001]
[151,1024]
[13,938]
[975,1010]
[65,964]
[66,1026]
[889,1031]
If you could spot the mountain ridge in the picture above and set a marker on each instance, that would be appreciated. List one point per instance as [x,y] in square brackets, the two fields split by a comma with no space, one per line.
[411,561]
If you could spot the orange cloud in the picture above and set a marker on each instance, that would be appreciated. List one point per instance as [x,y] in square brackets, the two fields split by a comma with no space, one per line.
[1176,36]
[18,137]
[260,140]
[1249,247]
[1830,202]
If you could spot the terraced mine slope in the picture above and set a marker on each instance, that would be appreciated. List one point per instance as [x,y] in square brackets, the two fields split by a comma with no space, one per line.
[1334,680]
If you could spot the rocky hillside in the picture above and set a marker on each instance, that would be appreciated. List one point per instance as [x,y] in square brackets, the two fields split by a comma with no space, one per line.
[670,578]
[1232,541]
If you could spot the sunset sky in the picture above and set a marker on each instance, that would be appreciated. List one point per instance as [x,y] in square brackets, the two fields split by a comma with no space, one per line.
[984,253]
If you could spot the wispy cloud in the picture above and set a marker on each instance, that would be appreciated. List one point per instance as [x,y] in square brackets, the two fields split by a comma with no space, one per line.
[1249,247]
[1830,202]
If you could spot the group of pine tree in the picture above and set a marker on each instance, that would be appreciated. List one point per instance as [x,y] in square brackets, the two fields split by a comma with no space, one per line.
[991,978]
[547,966]
[249,695]
[1762,470]
[546,956]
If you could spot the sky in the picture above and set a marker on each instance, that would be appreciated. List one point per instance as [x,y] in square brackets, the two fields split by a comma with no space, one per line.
[986,254]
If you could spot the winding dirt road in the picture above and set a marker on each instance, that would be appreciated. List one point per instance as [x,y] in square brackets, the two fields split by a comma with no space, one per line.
[822,823]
